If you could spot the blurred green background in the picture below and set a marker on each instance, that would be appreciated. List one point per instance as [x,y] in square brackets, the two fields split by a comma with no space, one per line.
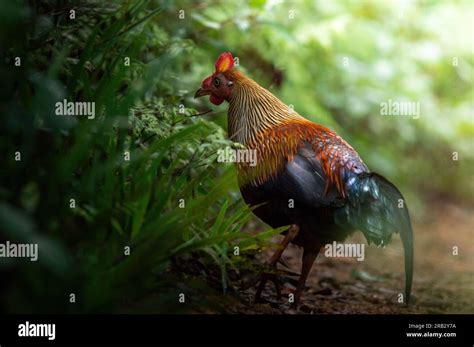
[335,61]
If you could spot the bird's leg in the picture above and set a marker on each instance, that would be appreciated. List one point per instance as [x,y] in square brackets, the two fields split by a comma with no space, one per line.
[290,235]
[309,256]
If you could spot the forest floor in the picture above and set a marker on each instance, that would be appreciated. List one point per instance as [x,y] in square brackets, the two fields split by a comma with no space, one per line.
[443,282]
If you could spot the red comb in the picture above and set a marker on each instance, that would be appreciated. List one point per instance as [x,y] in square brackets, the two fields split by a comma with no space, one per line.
[224,62]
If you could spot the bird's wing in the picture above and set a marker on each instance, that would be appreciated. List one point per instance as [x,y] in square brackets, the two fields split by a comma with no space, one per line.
[304,180]
[311,178]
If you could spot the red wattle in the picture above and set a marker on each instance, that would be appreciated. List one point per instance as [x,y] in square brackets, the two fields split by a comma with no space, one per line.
[216,100]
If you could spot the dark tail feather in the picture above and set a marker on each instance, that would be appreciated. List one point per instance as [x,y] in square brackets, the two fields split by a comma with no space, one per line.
[406,235]
[399,206]
[377,208]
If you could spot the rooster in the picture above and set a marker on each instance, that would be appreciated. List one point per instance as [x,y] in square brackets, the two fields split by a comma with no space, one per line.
[307,177]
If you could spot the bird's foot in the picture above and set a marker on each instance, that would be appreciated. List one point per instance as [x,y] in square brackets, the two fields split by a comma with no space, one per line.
[272,277]
[294,306]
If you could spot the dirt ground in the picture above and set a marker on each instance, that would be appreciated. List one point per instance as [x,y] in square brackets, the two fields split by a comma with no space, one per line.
[443,282]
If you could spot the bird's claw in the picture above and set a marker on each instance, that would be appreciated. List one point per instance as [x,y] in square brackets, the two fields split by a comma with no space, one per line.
[272,277]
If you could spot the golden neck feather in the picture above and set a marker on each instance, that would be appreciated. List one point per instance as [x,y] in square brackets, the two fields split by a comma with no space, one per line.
[253,110]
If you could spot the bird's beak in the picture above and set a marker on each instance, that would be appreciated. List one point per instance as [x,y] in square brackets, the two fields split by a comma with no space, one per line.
[201,92]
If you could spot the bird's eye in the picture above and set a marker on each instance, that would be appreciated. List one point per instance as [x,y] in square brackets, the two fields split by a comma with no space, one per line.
[216,82]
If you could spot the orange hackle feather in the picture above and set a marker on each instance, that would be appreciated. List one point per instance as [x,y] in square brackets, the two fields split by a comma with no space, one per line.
[278,145]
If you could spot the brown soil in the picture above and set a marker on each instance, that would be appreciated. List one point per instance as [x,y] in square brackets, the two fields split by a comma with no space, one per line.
[443,282]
